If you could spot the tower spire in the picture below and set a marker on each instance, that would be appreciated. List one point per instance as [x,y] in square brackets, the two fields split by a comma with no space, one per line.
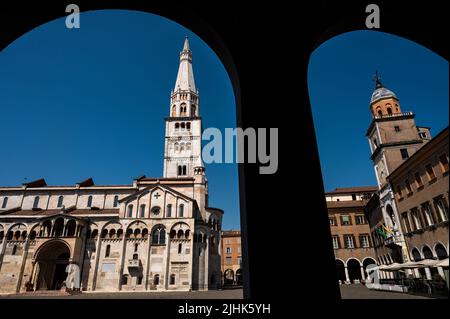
[377,79]
[185,78]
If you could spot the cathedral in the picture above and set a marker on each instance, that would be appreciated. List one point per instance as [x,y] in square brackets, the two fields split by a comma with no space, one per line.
[153,234]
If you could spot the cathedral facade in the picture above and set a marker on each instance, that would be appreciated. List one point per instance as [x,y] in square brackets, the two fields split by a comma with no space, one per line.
[153,234]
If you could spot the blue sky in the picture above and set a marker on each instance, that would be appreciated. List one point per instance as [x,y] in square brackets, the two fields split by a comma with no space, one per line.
[340,85]
[90,102]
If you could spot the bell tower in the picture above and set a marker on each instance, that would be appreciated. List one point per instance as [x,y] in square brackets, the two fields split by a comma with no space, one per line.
[182,150]
[393,135]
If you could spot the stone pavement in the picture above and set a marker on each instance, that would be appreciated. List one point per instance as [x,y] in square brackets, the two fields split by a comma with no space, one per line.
[362,292]
[213,294]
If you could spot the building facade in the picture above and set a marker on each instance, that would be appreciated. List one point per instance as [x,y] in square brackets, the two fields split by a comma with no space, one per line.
[393,137]
[153,234]
[421,194]
[231,257]
[352,244]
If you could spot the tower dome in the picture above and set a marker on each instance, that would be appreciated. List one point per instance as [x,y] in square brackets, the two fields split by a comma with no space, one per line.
[383,101]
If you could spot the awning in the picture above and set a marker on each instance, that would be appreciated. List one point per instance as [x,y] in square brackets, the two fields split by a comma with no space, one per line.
[412,265]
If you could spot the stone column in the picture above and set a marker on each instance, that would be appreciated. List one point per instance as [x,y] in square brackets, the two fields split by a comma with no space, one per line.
[24,260]
[347,279]
[363,273]
[122,261]
[2,250]
[97,257]
[166,276]
[428,273]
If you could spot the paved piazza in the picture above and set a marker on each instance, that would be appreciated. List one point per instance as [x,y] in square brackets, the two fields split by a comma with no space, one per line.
[362,292]
[212,294]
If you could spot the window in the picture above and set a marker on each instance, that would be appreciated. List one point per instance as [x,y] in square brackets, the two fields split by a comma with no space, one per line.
[228,261]
[360,220]
[156,210]
[441,209]
[443,160]
[130,211]
[430,172]
[397,128]
[418,179]
[332,221]
[139,280]
[177,126]
[159,236]
[422,135]
[228,250]
[116,201]
[406,223]
[142,211]
[404,153]
[184,169]
[107,251]
[353,196]
[181,210]
[89,201]
[335,242]
[239,250]
[172,279]
[60,201]
[427,215]
[416,220]
[156,280]
[188,126]
[169,210]
[180,248]
[375,142]
[5,202]
[345,220]
[228,241]
[399,192]
[36,202]
[364,241]
[125,280]
[389,110]
[14,250]
[349,242]
[408,188]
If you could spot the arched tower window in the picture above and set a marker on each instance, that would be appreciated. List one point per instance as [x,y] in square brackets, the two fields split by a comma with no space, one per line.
[183,109]
[188,126]
[184,169]
[389,111]
[116,201]
[174,111]
[177,126]
[193,110]
[180,248]
[379,113]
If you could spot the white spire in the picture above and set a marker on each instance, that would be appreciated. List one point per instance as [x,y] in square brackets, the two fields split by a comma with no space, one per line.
[185,77]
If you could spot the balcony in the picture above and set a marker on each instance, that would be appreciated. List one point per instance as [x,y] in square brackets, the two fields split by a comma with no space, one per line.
[134,263]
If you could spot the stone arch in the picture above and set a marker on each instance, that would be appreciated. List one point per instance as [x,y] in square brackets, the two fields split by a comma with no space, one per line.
[52,258]
[440,251]
[340,270]
[354,269]
[427,253]
[415,254]
[228,277]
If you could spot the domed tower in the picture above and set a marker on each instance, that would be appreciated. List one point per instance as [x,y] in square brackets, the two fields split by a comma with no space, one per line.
[393,134]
